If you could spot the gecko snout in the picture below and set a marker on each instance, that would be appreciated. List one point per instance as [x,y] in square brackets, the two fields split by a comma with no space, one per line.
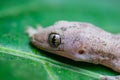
[40,37]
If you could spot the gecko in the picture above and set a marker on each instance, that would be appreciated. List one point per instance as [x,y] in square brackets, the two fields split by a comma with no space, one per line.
[79,41]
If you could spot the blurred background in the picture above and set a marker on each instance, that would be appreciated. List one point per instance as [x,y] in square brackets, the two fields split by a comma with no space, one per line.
[15,15]
[103,13]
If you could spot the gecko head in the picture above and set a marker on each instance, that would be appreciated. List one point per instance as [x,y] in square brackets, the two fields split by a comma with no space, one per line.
[61,40]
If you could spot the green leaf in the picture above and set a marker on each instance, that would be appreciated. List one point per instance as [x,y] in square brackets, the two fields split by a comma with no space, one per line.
[20,61]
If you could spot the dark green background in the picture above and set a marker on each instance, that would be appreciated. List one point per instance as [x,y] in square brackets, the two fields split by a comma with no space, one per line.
[19,60]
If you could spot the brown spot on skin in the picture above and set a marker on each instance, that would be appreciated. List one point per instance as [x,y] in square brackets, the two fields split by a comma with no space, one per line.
[72,26]
[104,43]
[63,29]
[81,51]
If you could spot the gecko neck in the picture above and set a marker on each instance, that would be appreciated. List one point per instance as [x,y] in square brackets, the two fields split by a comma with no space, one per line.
[107,44]
[107,52]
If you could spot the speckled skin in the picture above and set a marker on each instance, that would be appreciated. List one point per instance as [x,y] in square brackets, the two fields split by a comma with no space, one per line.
[80,42]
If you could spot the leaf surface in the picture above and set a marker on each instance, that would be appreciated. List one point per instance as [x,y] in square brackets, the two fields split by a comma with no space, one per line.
[19,60]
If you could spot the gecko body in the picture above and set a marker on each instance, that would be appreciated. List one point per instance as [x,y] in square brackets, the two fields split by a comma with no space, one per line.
[79,41]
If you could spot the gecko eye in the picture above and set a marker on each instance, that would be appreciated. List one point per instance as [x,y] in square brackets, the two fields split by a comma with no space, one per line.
[54,40]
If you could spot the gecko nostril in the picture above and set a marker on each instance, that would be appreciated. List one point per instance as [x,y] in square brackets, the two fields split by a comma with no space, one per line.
[81,51]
